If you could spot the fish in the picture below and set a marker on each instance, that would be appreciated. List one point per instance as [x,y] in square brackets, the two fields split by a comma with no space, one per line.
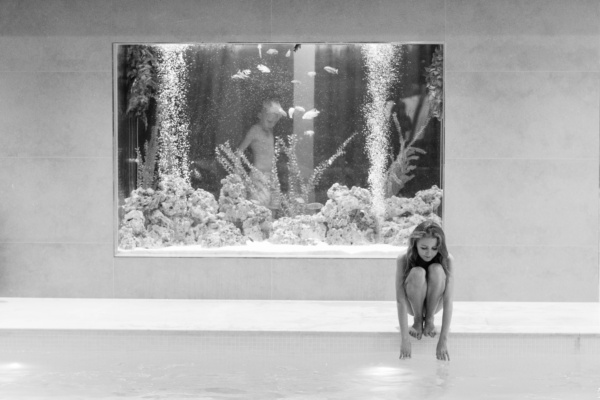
[291,112]
[296,82]
[331,70]
[300,200]
[196,174]
[312,73]
[241,75]
[297,47]
[272,52]
[300,109]
[281,111]
[289,53]
[263,69]
[314,206]
[259,50]
[309,133]
[311,114]
[246,72]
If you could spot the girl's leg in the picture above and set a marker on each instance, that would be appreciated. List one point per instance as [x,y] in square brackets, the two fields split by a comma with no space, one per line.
[436,284]
[416,290]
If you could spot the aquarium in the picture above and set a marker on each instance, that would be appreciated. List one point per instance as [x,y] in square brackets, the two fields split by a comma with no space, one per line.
[260,149]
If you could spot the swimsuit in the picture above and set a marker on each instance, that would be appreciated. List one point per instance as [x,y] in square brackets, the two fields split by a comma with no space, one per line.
[425,264]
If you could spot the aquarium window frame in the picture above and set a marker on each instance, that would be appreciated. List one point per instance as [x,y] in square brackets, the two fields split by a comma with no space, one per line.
[358,252]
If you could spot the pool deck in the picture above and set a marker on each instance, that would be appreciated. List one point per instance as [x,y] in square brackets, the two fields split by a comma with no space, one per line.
[287,316]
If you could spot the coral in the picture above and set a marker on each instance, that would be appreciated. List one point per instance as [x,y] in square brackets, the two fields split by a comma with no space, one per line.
[432,197]
[350,235]
[173,214]
[221,233]
[143,200]
[252,218]
[300,230]
[127,239]
[349,216]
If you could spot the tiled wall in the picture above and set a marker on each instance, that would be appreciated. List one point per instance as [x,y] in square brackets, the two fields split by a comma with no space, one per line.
[522,148]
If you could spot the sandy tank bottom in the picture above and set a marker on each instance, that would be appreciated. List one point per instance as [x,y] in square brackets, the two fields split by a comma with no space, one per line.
[251,374]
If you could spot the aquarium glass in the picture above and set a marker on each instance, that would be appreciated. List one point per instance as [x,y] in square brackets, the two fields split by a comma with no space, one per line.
[276,148]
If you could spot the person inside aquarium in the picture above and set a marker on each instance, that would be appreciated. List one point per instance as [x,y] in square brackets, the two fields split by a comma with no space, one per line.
[424,286]
[261,141]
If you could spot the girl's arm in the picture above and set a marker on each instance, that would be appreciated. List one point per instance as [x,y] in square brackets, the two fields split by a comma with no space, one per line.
[402,304]
[442,349]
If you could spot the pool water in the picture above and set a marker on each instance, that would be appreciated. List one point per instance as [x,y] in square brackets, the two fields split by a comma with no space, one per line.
[253,374]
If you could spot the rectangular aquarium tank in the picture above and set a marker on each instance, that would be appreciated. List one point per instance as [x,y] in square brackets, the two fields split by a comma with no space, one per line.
[276,149]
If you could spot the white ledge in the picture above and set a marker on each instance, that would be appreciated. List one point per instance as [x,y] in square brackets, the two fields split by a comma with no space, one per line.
[288,316]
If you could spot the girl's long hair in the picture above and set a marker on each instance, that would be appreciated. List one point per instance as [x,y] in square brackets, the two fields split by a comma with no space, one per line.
[426,229]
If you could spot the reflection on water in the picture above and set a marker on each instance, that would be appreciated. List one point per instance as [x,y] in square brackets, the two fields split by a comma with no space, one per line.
[251,375]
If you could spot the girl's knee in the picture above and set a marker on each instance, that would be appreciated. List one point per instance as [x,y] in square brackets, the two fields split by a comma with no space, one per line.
[436,271]
[416,275]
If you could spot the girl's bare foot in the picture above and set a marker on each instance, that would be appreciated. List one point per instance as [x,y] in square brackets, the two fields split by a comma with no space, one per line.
[416,330]
[429,328]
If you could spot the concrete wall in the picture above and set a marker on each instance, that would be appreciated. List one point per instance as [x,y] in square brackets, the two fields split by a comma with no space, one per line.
[521,151]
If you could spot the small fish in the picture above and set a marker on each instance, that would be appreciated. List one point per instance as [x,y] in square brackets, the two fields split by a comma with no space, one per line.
[259,50]
[241,74]
[196,174]
[263,69]
[291,112]
[312,73]
[272,52]
[289,53]
[331,70]
[314,206]
[281,112]
[296,82]
[311,114]
[300,200]
[300,109]
[297,47]
[309,133]
[135,160]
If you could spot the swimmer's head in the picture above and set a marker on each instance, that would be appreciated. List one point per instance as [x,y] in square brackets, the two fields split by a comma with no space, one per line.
[270,114]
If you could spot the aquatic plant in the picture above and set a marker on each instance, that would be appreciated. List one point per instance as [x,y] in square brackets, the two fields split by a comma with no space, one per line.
[295,201]
[398,173]
[434,75]
[142,63]
[379,60]
[146,166]
[173,120]
[236,163]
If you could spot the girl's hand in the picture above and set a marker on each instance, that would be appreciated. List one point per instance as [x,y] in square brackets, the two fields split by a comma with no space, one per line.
[442,350]
[405,349]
